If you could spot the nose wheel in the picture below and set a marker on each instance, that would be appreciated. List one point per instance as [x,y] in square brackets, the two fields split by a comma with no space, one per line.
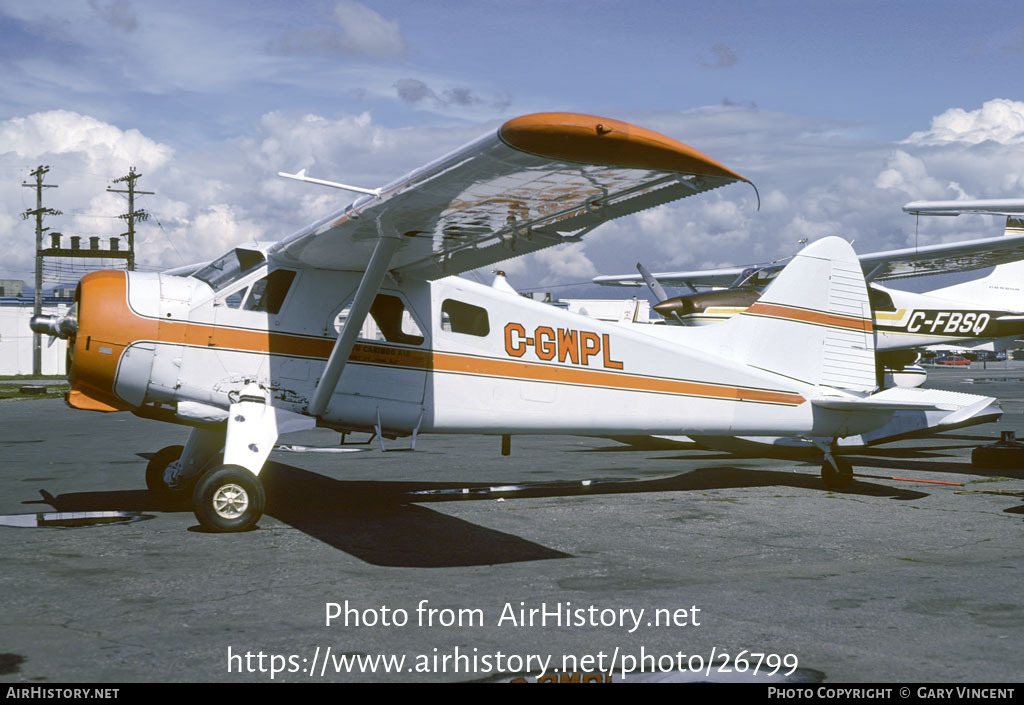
[228,498]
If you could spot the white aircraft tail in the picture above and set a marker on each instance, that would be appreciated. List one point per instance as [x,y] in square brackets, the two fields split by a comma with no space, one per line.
[1002,289]
[812,324]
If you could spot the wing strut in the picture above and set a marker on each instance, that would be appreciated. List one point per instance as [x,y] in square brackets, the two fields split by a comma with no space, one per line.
[366,293]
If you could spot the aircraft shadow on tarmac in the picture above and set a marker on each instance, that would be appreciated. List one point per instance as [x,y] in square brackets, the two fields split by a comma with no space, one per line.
[384,522]
[901,460]
[912,459]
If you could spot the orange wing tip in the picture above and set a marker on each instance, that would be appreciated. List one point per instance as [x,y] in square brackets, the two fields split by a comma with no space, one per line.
[596,140]
[78,399]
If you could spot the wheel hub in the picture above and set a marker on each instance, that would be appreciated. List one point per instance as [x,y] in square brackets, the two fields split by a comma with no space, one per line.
[230,501]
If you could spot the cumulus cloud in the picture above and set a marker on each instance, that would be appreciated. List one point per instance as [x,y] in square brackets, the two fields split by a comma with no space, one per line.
[567,262]
[774,201]
[84,155]
[66,132]
[206,201]
[999,120]
[909,174]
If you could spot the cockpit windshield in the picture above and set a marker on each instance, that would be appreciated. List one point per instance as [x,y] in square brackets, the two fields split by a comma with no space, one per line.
[231,267]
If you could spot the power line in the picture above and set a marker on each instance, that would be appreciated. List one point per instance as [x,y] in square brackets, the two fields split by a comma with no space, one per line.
[170,241]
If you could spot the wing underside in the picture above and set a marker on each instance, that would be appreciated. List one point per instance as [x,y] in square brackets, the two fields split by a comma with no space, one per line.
[538,181]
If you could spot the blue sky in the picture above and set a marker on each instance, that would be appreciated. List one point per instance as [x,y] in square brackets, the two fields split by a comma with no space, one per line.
[839,111]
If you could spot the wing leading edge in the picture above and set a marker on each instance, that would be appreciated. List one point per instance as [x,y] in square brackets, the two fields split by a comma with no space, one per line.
[538,181]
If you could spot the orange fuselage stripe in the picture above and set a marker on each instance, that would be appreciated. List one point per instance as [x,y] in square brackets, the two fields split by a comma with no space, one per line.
[804,315]
[370,354]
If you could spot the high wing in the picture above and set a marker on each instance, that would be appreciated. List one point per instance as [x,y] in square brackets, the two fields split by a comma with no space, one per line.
[539,180]
[725,276]
[909,262]
[986,206]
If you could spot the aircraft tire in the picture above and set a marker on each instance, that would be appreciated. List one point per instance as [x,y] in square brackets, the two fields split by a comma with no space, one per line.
[155,475]
[834,479]
[228,498]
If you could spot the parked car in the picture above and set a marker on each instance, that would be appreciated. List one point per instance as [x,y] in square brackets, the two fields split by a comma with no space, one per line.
[953,360]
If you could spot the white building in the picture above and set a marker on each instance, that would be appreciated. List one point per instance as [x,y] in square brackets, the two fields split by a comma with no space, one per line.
[16,340]
[12,287]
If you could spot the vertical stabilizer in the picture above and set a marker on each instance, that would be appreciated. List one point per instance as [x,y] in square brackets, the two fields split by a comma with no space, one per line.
[812,324]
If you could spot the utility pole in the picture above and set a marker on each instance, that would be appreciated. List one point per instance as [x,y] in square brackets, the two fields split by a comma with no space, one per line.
[132,215]
[38,212]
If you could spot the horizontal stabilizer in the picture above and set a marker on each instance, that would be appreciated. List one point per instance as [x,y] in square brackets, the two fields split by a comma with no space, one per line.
[871,404]
[905,398]
[948,411]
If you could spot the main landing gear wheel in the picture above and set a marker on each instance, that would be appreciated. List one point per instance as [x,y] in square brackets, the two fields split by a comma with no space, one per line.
[155,476]
[228,498]
[838,476]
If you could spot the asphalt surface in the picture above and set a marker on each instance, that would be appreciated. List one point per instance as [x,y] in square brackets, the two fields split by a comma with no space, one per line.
[885,581]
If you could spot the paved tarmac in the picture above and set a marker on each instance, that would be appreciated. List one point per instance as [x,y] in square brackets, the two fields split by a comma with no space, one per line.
[886,581]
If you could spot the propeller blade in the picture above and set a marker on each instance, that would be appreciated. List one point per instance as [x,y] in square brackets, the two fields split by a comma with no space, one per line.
[656,288]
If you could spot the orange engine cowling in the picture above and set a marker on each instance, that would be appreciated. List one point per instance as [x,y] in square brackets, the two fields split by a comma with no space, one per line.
[106,328]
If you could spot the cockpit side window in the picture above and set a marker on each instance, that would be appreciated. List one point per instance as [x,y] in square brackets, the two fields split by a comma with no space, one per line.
[230,268]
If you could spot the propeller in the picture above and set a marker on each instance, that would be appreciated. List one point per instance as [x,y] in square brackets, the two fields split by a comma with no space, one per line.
[653,284]
[54,326]
[659,292]
[666,305]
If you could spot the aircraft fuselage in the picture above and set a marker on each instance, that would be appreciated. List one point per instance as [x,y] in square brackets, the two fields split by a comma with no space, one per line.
[447,356]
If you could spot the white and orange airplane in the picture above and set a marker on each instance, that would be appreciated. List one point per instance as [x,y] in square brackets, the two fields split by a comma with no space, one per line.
[356,323]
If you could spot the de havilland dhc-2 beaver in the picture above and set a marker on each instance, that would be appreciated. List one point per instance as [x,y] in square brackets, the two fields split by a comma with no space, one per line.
[358,323]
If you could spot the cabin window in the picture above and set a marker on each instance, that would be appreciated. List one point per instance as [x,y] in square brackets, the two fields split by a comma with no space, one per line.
[389,320]
[268,293]
[459,317]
